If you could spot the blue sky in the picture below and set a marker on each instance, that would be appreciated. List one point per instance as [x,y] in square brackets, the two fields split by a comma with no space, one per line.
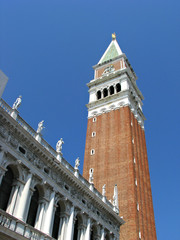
[48,48]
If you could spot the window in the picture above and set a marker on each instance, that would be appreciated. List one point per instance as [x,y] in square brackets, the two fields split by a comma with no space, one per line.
[118,87]
[92,151]
[105,92]
[111,90]
[93,134]
[98,95]
[94,119]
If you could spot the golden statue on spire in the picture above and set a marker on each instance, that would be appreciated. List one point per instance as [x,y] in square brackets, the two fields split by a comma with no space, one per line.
[113,36]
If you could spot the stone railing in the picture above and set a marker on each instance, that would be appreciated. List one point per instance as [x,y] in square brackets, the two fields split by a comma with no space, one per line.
[50,149]
[20,228]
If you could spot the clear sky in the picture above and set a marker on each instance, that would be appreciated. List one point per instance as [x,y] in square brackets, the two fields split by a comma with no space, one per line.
[48,48]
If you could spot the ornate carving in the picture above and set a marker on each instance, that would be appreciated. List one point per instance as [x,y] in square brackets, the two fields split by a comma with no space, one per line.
[108,69]
[38,163]
[30,156]
[3,132]
[13,142]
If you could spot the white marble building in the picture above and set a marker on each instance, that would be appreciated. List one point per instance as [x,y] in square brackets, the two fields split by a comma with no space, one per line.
[41,195]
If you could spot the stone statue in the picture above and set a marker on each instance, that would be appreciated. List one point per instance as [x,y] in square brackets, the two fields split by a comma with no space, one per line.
[59,145]
[104,190]
[17,103]
[77,163]
[91,171]
[115,196]
[40,127]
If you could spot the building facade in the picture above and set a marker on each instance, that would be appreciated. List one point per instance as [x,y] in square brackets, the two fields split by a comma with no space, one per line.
[115,142]
[41,195]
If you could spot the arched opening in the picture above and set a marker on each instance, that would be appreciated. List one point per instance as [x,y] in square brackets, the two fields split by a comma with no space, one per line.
[77,226]
[111,90]
[118,87]
[94,233]
[75,236]
[6,188]
[98,95]
[107,237]
[33,207]
[56,222]
[105,92]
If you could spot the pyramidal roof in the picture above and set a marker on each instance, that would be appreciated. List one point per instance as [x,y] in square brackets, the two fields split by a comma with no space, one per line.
[112,51]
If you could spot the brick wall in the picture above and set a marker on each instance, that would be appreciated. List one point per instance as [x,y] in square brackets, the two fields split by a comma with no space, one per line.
[119,140]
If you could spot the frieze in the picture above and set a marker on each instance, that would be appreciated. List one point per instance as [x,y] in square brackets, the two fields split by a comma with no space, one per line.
[3,133]
[13,142]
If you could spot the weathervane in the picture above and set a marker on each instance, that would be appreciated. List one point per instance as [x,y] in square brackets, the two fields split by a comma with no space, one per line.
[113,36]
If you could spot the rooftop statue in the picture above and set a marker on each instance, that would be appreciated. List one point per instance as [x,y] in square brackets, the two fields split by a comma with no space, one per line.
[91,171]
[59,146]
[104,190]
[77,163]
[17,103]
[40,127]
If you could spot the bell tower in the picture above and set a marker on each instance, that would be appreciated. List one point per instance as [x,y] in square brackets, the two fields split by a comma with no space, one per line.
[115,142]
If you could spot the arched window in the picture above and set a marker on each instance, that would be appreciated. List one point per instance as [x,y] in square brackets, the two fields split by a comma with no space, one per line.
[56,222]
[33,207]
[111,90]
[77,227]
[118,87]
[107,237]
[105,92]
[98,95]
[5,188]
[94,233]
[75,236]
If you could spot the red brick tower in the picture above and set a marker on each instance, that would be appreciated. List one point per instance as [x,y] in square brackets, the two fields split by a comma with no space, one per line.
[115,142]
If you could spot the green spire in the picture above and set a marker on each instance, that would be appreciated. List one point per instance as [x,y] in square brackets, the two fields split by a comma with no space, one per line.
[112,51]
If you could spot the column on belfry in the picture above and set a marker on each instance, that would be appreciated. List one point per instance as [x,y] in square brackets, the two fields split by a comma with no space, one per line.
[70,225]
[49,215]
[24,199]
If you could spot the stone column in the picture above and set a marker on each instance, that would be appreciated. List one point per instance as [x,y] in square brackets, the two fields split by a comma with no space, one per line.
[70,225]
[49,215]
[115,91]
[81,232]
[62,228]
[102,234]
[40,214]
[88,229]
[23,200]
[13,198]
[52,221]
[2,169]
[2,172]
